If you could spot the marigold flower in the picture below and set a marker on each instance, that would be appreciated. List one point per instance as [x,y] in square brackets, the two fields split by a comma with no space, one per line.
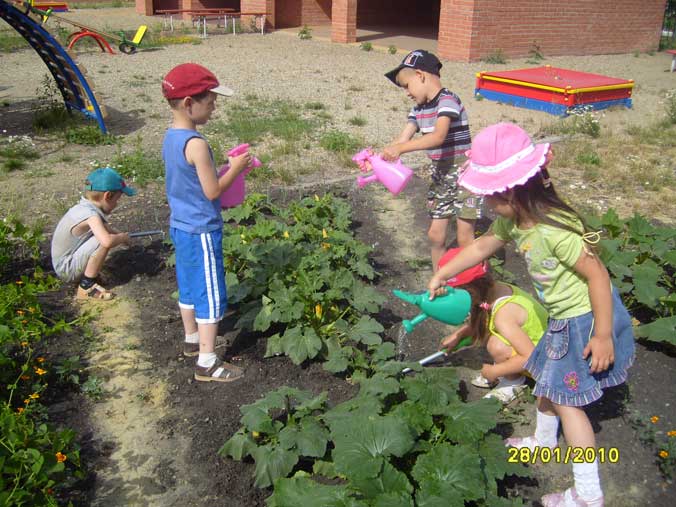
[24,321]
[20,312]
[318,311]
[654,419]
[40,371]
[26,401]
[326,246]
[34,396]
[671,433]
[24,344]
[324,234]
[19,410]
[25,377]
[664,454]
[31,309]
[635,322]
[61,457]
[40,359]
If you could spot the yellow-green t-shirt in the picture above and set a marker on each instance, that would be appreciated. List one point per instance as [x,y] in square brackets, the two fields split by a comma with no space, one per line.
[550,254]
[536,320]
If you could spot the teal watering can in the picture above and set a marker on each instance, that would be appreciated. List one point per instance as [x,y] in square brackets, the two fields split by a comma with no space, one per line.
[451,308]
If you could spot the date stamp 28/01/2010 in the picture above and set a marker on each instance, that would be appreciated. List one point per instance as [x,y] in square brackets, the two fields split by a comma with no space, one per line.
[556,455]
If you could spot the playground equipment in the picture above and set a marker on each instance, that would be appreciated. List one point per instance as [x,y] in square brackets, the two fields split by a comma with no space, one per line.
[394,175]
[125,45]
[234,195]
[75,90]
[451,308]
[54,6]
[554,90]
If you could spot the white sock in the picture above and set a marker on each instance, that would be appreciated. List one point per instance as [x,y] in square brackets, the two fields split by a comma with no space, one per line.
[206,359]
[546,429]
[193,337]
[587,483]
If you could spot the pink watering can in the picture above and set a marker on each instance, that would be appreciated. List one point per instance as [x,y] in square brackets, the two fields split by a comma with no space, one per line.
[394,175]
[234,195]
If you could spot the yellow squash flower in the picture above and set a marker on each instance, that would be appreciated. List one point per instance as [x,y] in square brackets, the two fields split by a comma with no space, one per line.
[664,454]
[286,234]
[318,311]
[324,234]
[654,419]
[60,458]
[40,371]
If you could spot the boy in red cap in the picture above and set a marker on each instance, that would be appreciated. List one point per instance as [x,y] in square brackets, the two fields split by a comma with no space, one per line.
[440,116]
[503,318]
[196,226]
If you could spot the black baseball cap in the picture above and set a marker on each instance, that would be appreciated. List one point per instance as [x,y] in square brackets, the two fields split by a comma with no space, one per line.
[419,60]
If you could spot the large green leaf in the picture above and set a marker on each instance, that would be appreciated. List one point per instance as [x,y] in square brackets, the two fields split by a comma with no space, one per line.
[338,357]
[366,331]
[434,494]
[639,226]
[389,480]
[646,277]
[266,316]
[301,343]
[274,346]
[304,492]
[496,462]
[451,467]
[383,352]
[238,446]
[378,385]
[308,437]
[362,444]
[670,257]
[435,388]
[467,422]
[365,298]
[393,500]
[360,406]
[272,463]
[661,330]
[415,414]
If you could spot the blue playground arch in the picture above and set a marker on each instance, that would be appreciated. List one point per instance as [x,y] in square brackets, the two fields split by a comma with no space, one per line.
[76,92]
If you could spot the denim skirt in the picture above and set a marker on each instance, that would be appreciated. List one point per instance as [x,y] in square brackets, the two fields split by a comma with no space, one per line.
[562,374]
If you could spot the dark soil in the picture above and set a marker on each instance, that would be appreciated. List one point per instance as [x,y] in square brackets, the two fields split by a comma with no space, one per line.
[208,414]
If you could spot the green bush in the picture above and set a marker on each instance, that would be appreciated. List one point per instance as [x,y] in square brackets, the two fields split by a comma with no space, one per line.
[338,141]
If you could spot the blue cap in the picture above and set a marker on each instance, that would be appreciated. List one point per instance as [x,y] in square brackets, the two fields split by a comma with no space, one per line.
[107,179]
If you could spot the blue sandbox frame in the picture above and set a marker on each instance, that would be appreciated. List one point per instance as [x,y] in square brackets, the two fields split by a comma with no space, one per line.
[547,107]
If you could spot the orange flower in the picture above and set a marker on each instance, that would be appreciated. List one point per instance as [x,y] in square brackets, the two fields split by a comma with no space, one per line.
[654,419]
[671,433]
[60,458]
[26,401]
[25,377]
[40,371]
[24,321]
[318,311]
[40,359]
[326,246]
[20,312]
[24,344]
[664,454]
[19,410]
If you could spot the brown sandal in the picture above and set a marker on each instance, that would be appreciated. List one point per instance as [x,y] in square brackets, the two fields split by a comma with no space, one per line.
[94,292]
[219,372]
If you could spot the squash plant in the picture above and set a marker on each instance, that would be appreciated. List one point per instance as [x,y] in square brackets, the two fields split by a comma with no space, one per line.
[641,259]
[298,274]
[402,441]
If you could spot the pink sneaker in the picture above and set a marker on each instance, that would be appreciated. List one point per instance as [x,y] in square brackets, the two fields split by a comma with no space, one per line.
[569,498]
[529,442]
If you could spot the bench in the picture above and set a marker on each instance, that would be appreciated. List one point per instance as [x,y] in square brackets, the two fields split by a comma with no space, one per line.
[198,17]
[257,16]
[672,52]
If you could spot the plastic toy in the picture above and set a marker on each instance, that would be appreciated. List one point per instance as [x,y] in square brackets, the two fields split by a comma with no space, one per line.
[451,308]
[394,175]
[234,195]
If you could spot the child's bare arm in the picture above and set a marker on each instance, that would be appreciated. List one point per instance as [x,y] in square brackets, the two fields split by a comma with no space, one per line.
[106,238]
[601,344]
[197,153]
[432,140]
[450,342]
[508,321]
[480,249]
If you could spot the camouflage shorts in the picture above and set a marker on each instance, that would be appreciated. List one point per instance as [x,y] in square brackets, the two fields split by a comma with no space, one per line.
[445,198]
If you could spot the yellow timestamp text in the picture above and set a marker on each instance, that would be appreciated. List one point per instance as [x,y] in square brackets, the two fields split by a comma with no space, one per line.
[557,455]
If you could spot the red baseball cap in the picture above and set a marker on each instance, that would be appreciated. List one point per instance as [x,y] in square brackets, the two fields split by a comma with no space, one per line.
[190,79]
[466,276]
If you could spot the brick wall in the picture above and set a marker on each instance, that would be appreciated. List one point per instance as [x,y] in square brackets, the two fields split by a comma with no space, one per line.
[398,12]
[260,6]
[292,13]
[344,21]
[473,29]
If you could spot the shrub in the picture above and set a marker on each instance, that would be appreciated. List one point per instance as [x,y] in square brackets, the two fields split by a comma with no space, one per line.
[366,46]
[305,33]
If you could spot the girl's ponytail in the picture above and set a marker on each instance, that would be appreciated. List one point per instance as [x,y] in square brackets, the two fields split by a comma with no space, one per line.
[480,311]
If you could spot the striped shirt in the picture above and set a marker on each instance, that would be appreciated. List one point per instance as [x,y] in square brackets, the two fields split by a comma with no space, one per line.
[458,139]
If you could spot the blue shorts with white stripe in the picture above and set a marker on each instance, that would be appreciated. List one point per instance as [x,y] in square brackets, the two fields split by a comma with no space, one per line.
[200,274]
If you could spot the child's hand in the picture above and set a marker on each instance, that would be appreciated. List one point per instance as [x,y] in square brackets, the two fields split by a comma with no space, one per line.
[240,162]
[391,152]
[124,238]
[450,341]
[488,372]
[602,353]
[436,287]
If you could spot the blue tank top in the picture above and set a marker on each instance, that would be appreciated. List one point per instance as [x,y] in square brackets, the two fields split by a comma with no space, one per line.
[191,211]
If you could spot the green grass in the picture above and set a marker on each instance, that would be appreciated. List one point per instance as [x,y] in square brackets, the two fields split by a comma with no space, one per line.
[339,142]
[138,165]
[15,152]
[11,41]
[113,4]
[496,57]
[89,135]
[357,121]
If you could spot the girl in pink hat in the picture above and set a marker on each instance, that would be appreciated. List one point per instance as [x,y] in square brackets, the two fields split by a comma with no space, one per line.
[589,343]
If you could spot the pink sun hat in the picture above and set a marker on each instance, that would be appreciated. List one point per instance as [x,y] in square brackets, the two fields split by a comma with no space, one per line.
[502,156]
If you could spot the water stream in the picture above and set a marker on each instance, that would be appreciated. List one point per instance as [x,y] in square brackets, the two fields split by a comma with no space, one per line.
[402,342]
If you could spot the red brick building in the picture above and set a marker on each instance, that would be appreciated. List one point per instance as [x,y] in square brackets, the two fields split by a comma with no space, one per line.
[469,30]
